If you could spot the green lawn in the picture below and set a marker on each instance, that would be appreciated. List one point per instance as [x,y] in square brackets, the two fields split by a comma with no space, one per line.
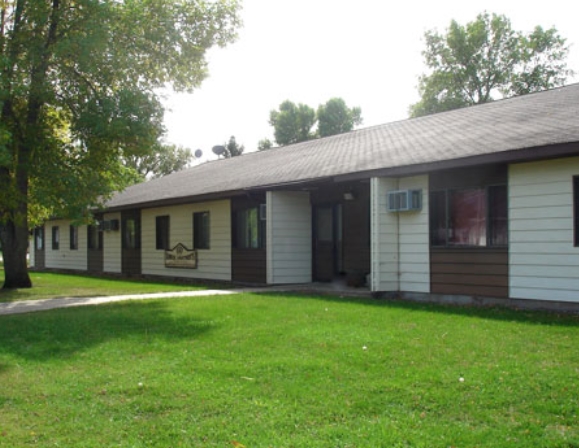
[288,371]
[50,285]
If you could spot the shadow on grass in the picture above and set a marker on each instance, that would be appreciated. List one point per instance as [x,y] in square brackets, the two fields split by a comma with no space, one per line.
[63,333]
[500,313]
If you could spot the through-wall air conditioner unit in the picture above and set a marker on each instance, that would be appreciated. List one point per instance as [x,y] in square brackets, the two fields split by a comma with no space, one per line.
[263,212]
[404,200]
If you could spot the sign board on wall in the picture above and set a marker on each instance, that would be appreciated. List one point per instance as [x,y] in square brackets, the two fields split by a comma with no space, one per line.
[181,257]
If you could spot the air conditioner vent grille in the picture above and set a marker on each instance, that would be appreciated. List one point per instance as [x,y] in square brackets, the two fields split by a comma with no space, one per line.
[404,200]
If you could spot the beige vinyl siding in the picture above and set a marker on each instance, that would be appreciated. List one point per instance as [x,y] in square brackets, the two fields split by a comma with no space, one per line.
[414,240]
[544,264]
[213,263]
[112,246]
[289,237]
[400,243]
[31,250]
[64,257]
[385,237]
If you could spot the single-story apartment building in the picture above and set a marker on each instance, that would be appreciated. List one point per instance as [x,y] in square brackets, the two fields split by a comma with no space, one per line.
[476,203]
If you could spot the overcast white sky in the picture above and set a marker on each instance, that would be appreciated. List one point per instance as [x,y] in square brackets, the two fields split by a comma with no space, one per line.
[367,52]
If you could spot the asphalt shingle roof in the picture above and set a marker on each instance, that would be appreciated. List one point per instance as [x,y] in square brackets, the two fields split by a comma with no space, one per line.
[535,120]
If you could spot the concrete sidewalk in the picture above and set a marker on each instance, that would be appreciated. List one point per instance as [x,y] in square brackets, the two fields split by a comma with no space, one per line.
[29,306]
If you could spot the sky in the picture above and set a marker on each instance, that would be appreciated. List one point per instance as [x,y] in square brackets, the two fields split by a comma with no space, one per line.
[368,52]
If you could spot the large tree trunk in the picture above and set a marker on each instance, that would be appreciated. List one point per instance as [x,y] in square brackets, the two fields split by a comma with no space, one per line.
[14,247]
[14,230]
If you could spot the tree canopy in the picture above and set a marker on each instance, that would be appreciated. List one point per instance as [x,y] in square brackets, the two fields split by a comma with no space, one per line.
[294,123]
[264,144]
[232,148]
[78,90]
[486,59]
[335,117]
[163,159]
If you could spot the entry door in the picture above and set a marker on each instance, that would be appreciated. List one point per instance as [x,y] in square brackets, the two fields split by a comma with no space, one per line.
[327,242]
[39,253]
[131,242]
[95,248]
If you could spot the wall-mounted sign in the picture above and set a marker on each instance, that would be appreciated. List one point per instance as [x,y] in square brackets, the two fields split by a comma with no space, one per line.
[181,257]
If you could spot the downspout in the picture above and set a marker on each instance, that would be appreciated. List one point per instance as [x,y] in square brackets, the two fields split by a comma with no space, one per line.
[269,278]
[374,234]
[398,273]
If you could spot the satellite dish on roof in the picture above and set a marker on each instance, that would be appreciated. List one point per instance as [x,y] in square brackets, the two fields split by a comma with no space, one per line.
[218,150]
[198,154]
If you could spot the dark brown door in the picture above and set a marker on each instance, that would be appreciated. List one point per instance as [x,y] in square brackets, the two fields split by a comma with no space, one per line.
[327,242]
[95,249]
[131,242]
[39,254]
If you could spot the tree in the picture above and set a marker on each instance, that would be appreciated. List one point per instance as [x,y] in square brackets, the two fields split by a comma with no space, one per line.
[78,90]
[485,59]
[335,117]
[232,148]
[264,144]
[160,161]
[292,123]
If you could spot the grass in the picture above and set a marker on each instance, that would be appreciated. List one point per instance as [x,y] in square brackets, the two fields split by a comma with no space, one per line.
[288,371]
[51,285]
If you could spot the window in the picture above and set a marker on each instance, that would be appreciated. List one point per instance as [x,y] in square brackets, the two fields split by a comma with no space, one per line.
[131,234]
[325,224]
[39,238]
[55,238]
[162,232]
[201,230]
[95,237]
[469,217]
[248,232]
[73,237]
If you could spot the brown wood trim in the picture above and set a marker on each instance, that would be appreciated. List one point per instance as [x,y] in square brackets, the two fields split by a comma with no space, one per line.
[95,261]
[249,265]
[473,177]
[247,201]
[469,256]
[470,271]
[470,279]
[464,268]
